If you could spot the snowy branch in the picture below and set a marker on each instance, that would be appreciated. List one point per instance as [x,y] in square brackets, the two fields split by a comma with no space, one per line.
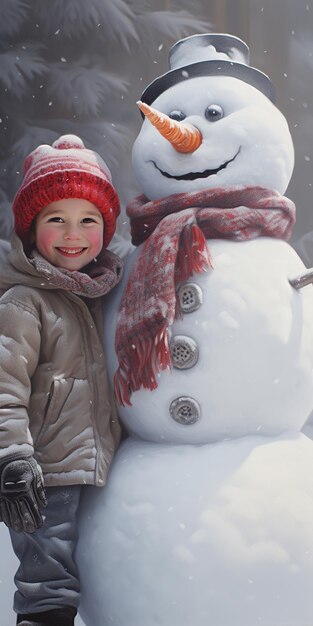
[12,16]
[20,65]
[81,19]
[168,24]
[83,90]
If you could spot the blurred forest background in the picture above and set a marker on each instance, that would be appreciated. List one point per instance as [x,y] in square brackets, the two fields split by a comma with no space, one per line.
[77,66]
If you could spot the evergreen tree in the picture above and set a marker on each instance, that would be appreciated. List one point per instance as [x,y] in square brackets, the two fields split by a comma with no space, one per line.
[71,66]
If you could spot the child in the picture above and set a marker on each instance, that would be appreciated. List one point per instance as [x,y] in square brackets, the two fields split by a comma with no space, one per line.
[58,429]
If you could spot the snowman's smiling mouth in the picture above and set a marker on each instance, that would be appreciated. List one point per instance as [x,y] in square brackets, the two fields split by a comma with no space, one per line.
[194,175]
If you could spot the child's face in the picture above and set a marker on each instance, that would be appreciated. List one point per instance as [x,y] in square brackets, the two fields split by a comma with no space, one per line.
[69,233]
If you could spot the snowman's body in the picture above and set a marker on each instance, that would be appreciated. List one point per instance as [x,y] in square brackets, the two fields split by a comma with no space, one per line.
[208,513]
[246,320]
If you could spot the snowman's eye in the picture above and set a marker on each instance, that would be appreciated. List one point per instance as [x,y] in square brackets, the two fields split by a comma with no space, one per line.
[214,112]
[177,115]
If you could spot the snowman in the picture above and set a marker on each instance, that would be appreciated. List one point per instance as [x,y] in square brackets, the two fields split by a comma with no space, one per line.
[207,516]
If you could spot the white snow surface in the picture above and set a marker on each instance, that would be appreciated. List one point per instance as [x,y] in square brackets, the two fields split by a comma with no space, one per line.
[202,534]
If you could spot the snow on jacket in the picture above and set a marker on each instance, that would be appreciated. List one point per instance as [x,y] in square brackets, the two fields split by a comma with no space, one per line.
[55,400]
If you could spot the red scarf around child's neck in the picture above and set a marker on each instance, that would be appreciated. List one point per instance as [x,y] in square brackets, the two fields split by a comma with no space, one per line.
[175,232]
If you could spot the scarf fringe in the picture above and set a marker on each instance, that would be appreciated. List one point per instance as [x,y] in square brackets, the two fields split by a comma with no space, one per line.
[140,363]
[193,253]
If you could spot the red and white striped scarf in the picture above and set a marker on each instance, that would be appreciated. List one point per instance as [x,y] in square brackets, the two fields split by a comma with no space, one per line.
[175,232]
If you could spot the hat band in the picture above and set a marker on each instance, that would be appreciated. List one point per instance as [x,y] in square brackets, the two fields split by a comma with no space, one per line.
[246,73]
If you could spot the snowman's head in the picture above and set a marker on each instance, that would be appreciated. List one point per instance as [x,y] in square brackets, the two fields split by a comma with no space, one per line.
[245,139]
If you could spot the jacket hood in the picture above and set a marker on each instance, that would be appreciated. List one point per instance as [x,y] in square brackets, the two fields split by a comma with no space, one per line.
[19,269]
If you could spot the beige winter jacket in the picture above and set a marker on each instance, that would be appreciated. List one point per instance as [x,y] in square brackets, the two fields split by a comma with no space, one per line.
[55,400]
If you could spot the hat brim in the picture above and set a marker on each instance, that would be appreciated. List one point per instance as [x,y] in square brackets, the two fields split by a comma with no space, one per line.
[246,73]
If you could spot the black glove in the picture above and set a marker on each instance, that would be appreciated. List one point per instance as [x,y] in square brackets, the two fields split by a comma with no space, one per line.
[21,495]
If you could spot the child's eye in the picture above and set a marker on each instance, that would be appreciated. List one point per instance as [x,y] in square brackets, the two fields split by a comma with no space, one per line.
[88,220]
[55,219]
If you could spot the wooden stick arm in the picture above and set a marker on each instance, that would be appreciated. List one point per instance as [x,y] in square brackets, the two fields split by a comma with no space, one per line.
[301,280]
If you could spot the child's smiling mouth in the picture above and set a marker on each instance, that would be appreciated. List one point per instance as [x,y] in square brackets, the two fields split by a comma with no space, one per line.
[71,251]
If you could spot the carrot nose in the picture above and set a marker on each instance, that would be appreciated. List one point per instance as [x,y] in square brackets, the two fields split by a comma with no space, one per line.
[183,137]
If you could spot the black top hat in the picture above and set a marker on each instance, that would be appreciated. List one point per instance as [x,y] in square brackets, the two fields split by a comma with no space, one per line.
[210,54]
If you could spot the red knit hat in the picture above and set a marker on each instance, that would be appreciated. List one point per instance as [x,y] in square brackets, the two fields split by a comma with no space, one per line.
[65,170]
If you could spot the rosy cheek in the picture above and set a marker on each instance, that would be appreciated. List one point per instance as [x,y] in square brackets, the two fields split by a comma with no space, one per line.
[45,238]
[96,239]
